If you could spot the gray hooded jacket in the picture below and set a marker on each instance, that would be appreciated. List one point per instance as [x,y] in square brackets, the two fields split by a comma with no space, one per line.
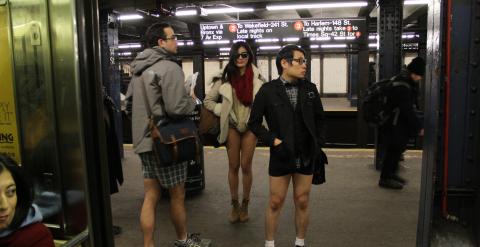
[163,78]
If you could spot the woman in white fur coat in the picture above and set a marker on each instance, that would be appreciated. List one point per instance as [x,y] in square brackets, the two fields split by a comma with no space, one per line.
[230,98]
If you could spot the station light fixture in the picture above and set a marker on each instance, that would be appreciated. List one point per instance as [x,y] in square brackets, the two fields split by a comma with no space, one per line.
[314,46]
[213,42]
[190,10]
[224,49]
[335,46]
[415,2]
[320,38]
[130,17]
[186,12]
[274,47]
[344,38]
[373,45]
[196,10]
[317,5]
[130,46]
[266,40]
[291,39]
[227,10]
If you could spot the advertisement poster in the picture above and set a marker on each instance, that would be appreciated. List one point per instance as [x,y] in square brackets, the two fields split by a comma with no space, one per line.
[9,141]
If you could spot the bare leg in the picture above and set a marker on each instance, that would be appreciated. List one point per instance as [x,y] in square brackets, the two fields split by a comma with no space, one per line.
[178,213]
[147,215]
[249,142]
[278,192]
[233,152]
[301,194]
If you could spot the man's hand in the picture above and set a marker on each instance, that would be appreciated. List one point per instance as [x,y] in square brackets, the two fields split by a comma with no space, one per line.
[421,132]
[276,142]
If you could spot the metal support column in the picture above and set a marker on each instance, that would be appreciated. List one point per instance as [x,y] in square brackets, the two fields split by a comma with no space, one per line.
[198,66]
[94,143]
[471,139]
[433,77]
[361,86]
[111,77]
[389,57]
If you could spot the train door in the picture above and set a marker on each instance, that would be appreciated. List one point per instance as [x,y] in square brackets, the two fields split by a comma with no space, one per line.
[50,50]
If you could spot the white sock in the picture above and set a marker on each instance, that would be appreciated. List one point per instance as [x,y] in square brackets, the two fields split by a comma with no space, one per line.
[299,242]
[183,240]
[269,243]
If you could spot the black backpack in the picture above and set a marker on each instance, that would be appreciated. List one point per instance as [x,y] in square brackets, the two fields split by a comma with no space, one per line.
[374,105]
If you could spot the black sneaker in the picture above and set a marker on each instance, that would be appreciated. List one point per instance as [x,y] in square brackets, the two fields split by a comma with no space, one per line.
[389,183]
[399,179]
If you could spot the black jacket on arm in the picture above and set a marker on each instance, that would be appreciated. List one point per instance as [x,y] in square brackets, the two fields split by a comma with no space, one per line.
[404,99]
[283,122]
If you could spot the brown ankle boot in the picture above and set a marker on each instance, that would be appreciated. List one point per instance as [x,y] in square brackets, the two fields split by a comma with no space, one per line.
[234,214]
[243,217]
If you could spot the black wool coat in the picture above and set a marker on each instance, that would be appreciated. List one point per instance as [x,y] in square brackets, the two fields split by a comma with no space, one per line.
[272,103]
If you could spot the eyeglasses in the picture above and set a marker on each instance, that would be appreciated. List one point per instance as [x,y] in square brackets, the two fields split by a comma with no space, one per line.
[171,38]
[243,55]
[300,61]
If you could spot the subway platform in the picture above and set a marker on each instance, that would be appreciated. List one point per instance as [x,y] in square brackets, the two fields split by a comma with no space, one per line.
[348,210]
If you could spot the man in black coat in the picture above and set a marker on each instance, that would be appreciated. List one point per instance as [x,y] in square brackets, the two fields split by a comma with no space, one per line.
[403,124]
[294,113]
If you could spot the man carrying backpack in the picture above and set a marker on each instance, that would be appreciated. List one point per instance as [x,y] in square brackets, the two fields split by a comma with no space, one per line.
[402,124]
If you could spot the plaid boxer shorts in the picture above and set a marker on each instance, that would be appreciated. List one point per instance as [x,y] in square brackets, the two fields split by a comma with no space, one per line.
[169,176]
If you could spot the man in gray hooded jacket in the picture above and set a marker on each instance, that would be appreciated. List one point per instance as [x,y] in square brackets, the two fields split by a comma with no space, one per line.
[157,69]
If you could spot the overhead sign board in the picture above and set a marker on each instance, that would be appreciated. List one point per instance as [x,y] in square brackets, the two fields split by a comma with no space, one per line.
[348,28]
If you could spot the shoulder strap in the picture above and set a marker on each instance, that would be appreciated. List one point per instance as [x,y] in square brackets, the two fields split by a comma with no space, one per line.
[400,83]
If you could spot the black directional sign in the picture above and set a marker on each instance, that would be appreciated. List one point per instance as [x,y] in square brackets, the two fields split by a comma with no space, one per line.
[348,28]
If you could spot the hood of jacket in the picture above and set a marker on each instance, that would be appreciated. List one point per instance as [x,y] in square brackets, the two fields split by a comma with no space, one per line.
[34,215]
[150,56]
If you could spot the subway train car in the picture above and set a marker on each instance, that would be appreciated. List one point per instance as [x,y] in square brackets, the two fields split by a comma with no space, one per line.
[66,67]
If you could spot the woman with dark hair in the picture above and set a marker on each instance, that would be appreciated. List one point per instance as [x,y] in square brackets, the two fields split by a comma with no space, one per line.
[230,98]
[20,220]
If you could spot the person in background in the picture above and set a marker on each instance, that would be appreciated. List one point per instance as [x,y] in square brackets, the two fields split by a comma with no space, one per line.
[157,73]
[293,111]
[20,220]
[405,123]
[230,98]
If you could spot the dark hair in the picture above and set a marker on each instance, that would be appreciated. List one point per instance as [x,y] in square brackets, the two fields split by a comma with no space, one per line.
[24,190]
[286,53]
[155,32]
[231,68]
[417,66]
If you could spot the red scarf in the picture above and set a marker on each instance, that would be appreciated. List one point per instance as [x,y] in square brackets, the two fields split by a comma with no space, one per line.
[243,85]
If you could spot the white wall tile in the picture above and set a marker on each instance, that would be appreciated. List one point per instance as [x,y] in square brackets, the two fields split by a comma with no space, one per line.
[335,73]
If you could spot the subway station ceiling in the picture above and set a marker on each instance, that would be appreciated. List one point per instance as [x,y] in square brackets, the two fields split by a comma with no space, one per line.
[157,10]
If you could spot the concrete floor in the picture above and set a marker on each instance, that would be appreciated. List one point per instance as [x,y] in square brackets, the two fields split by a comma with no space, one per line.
[349,210]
